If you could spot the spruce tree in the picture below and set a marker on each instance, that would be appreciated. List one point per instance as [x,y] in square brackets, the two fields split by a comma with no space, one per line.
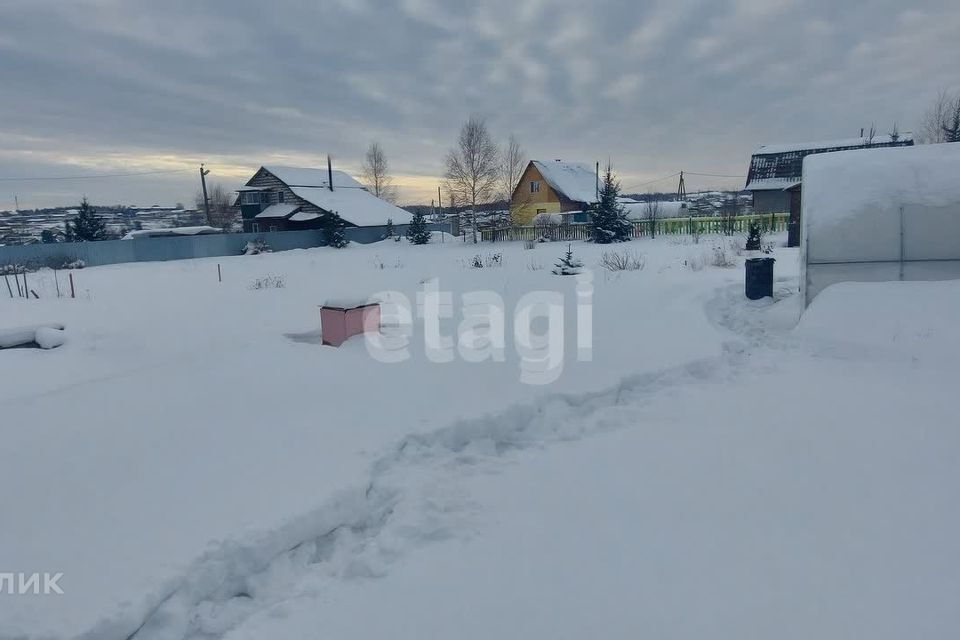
[754,237]
[610,223]
[417,232]
[390,230]
[568,265]
[87,226]
[333,227]
[951,132]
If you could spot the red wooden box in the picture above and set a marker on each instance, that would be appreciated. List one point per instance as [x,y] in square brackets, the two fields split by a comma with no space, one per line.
[340,321]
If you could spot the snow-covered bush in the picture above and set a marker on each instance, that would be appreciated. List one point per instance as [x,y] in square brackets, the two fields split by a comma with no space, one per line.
[256,247]
[12,269]
[695,262]
[488,261]
[546,220]
[622,261]
[267,282]
[64,262]
[720,257]
[380,265]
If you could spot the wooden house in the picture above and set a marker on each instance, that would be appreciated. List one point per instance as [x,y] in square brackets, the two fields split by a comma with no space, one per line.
[553,187]
[292,198]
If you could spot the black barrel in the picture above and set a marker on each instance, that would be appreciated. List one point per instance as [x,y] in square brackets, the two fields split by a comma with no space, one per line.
[759,278]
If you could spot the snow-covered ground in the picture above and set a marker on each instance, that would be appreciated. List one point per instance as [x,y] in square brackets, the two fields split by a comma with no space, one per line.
[198,466]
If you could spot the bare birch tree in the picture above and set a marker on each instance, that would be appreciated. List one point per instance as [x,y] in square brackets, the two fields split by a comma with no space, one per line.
[651,213]
[223,215]
[513,160]
[473,167]
[935,119]
[376,173]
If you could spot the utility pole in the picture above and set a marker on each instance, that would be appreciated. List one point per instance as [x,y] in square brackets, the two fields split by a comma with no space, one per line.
[16,206]
[440,213]
[330,172]
[206,200]
[681,189]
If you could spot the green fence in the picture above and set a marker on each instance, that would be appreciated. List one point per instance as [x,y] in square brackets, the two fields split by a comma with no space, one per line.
[729,225]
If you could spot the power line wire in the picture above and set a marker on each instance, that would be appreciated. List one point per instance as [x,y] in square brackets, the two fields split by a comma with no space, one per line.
[674,175]
[712,175]
[95,177]
[638,186]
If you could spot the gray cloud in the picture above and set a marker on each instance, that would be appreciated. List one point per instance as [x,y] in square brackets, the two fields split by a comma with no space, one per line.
[94,86]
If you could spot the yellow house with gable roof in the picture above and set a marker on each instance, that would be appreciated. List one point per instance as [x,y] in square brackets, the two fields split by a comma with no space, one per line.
[555,187]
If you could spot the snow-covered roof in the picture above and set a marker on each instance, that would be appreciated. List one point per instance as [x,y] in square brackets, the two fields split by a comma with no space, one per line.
[277,211]
[578,182]
[355,205]
[841,143]
[880,214]
[303,216]
[348,303]
[772,184]
[175,231]
[307,177]
[885,180]
[667,209]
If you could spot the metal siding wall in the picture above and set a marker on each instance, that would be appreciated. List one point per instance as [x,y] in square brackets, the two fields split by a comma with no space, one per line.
[771,202]
[156,249]
[162,249]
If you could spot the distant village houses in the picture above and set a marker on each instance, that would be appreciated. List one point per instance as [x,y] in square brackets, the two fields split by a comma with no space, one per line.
[776,170]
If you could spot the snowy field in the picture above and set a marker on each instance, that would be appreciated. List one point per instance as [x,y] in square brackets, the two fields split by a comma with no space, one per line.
[198,466]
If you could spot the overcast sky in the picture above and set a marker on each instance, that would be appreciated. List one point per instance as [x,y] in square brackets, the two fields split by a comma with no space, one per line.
[123,86]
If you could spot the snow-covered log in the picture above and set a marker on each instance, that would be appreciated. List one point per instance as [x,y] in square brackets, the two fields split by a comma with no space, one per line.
[46,336]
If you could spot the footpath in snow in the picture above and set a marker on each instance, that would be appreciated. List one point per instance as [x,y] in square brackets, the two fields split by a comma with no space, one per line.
[800,485]
[677,497]
[191,429]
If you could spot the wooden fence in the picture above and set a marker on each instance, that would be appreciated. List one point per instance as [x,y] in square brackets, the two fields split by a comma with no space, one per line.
[727,225]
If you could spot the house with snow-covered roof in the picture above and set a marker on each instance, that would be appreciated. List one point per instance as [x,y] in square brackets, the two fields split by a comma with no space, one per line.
[279,198]
[553,187]
[776,170]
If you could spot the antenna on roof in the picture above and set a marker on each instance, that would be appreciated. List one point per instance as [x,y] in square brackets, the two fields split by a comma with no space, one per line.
[329,172]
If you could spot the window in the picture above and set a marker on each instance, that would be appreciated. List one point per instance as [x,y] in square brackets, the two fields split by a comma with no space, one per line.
[534,186]
[250,197]
[273,227]
[539,211]
[280,196]
[255,227]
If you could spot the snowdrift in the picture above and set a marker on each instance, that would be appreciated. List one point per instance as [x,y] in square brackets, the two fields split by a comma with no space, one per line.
[918,319]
